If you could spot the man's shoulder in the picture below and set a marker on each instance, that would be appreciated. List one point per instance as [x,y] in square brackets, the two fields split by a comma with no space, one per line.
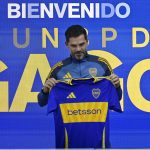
[101,61]
[61,64]
[66,61]
[97,59]
[58,66]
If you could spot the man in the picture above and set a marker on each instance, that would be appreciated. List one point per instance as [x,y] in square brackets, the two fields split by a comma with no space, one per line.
[78,65]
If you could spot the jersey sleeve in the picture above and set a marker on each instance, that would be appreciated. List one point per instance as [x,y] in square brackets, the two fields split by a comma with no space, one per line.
[113,98]
[52,105]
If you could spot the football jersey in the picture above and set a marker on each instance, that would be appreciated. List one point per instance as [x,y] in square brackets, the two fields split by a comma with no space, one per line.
[81,112]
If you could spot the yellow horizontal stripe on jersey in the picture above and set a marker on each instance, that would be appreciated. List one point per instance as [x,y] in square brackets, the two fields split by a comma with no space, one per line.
[84,112]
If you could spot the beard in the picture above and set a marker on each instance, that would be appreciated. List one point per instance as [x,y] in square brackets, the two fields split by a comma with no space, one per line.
[79,55]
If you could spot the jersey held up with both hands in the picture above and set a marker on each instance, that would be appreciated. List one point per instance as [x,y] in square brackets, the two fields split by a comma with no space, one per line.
[81,112]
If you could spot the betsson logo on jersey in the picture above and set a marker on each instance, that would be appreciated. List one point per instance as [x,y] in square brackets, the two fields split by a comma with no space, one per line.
[84,112]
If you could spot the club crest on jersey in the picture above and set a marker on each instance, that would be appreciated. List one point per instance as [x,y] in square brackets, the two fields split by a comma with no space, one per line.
[96,93]
[93,71]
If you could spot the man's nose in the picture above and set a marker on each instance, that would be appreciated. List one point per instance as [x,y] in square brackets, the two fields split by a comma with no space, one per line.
[78,48]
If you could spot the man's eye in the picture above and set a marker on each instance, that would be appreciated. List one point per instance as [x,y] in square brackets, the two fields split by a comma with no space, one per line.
[74,46]
[81,44]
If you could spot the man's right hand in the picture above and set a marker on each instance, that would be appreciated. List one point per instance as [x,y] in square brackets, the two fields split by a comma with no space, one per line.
[49,84]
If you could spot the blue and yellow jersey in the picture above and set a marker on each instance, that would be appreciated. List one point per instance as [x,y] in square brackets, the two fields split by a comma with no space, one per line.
[81,112]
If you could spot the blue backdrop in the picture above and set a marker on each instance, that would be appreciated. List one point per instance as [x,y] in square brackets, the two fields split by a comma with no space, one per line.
[31,128]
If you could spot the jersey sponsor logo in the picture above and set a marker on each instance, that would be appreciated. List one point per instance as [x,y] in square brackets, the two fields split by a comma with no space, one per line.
[96,93]
[84,112]
[71,95]
[93,72]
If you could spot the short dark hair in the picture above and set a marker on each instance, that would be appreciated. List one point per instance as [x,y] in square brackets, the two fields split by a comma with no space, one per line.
[75,31]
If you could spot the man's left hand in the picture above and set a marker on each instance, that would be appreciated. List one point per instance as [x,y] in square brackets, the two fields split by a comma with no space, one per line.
[115,79]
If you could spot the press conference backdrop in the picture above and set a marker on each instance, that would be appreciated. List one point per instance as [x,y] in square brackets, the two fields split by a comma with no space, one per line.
[30,45]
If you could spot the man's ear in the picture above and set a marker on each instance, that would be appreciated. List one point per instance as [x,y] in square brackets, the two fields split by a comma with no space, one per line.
[88,42]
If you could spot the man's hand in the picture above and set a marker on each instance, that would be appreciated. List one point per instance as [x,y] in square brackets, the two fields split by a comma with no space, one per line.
[115,79]
[49,84]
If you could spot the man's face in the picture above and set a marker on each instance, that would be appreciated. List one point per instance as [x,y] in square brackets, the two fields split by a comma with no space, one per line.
[77,46]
